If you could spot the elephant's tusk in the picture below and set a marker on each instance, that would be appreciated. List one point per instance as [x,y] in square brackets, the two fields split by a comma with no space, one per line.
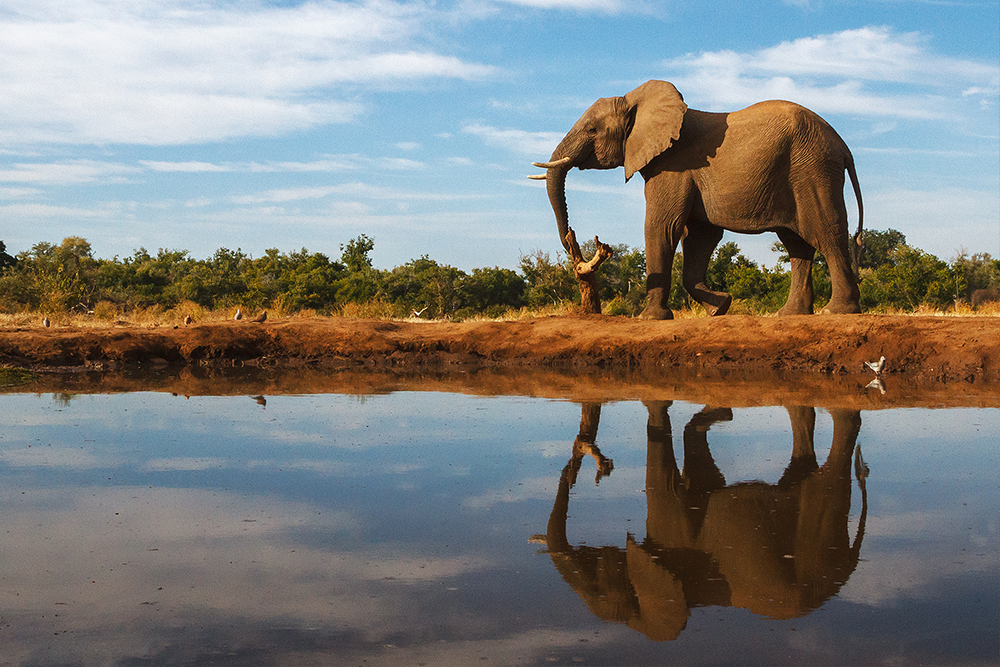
[549,165]
[537,177]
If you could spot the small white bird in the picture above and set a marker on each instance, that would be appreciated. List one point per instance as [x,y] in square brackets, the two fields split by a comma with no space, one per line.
[46,323]
[238,315]
[418,313]
[876,366]
[187,320]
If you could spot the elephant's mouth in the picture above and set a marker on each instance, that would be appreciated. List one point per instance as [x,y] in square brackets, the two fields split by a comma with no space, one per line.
[590,160]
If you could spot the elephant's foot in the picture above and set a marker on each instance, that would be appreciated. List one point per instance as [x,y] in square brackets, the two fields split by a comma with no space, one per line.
[841,308]
[715,303]
[796,308]
[654,311]
[721,307]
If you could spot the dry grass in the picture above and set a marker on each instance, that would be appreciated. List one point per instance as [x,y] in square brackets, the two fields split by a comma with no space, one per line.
[960,309]
[372,310]
[107,314]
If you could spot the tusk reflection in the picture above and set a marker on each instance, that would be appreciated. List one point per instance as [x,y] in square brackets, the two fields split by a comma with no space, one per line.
[779,550]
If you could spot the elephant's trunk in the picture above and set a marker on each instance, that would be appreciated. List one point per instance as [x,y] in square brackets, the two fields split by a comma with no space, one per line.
[564,158]
[555,184]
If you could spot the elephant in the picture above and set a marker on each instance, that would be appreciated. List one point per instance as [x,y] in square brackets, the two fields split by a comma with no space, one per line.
[777,550]
[774,166]
[981,297]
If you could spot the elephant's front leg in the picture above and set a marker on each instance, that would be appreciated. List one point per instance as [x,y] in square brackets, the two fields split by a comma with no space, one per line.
[659,266]
[666,213]
[699,244]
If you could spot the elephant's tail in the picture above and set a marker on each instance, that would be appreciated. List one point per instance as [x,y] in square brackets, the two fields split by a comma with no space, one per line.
[856,245]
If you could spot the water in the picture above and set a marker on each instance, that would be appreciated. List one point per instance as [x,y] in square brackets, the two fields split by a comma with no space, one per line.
[417,527]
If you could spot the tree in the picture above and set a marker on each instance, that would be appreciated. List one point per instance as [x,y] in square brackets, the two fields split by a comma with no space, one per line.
[491,291]
[548,283]
[910,278]
[362,283]
[354,255]
[877,247]
[978,272]
[730,271]
[5,259]
[423,284]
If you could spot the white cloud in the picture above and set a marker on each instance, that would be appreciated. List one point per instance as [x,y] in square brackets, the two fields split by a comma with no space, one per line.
[401,164]
[50,457]
[174,72]
[356,189]
[18,193]
[126,556]
[184,167]
[869,71]
[67,173]
[333,163]
[48,211]
[338,163]
[298,194]
[604,6]
[186,463]
[520,141]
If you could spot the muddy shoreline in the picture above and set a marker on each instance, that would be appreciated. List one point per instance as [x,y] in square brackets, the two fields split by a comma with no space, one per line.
[931,361]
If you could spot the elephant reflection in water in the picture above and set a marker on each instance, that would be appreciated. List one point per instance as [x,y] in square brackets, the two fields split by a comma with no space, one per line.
[778,550]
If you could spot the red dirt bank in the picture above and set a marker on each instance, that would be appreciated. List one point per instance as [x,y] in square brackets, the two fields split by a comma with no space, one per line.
[930,348]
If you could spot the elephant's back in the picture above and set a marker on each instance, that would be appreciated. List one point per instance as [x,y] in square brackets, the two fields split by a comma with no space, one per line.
[804,130]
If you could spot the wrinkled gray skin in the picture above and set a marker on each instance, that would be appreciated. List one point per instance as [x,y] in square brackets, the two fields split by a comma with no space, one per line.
[774,166]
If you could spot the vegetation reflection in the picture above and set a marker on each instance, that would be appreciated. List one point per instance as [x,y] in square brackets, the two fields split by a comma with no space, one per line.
[779,550]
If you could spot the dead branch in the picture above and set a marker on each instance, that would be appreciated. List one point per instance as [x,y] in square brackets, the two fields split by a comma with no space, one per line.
[586,271]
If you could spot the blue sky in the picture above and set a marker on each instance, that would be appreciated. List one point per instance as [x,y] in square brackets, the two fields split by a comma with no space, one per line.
[200,124]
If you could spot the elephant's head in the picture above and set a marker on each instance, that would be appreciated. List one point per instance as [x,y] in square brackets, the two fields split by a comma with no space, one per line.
[624,131]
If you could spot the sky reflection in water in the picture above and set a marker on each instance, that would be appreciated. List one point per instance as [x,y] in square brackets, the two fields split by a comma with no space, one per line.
[441,528]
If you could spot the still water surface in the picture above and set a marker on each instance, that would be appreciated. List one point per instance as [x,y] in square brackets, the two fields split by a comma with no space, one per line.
[441,528]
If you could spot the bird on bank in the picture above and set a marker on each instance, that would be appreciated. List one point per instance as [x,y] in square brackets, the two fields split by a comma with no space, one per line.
[187,320]
[238,315]
[260,318]
[876,366]
[46,323]
[418,313]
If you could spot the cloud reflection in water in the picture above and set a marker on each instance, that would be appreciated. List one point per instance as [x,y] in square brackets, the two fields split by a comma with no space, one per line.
[396,529]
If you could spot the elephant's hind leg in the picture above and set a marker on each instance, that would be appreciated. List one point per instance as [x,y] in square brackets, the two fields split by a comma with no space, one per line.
[846,297]
[800,291]
[822,223]
[699,245]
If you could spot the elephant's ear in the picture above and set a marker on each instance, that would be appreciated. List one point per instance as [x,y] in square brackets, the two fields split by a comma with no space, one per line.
[658,111]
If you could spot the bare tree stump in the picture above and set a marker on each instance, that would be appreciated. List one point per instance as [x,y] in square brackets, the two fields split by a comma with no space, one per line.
[586,271]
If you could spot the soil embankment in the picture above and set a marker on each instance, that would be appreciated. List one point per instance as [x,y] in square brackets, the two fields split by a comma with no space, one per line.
[921,349]
[946,348]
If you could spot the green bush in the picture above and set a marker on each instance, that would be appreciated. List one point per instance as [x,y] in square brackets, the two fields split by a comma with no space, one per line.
[57,278]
